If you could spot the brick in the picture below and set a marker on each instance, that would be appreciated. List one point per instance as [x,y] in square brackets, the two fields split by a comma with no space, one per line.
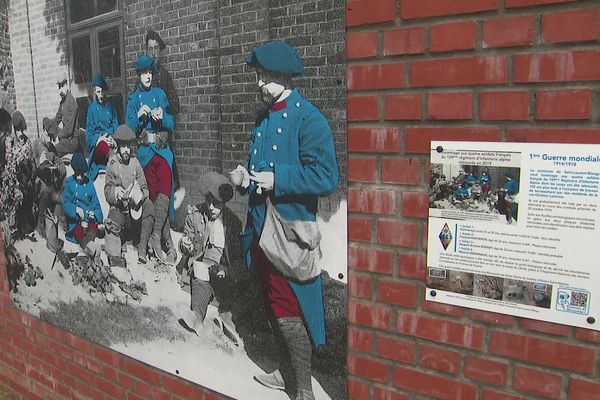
[368,368]
[439,359]
[573,26]
[359,229]
[489,371]
[398,293]
[450,105]
[537,382]
[361,45]
[370,316]
[508,31]
[544,135]
[360,340]
[397,233]
[463,71]
[411,9]
[402,107]
[490,317]
[386,394]
[360,286]
[441,308]
[362,108]
[452,36]
[404,41]
[544,327]
[418,139]
[529,3]
[412,265]
[587,335]
[372,201]
[563,104]
[579,389]
[542,351]
[432,385]
[396,349]
[489,394]
[145,373]
[415,204]
[357,390]
[404,171]
[362,169]
[362,12]
[376,76]
[370,259]
[110,388]
[557,67]
[376,140]
[440,330]
[504,106]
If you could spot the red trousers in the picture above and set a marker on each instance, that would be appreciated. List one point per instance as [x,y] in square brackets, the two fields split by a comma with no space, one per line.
[278,295]
[158,177]
[83,235]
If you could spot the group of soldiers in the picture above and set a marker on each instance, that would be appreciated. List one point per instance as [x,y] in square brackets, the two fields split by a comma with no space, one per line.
[124,189]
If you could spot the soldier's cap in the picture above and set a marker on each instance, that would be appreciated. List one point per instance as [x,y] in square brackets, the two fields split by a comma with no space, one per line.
[79,164]
[98,80]
[61,82]
[277,56]
[124,134]
[19,121]
[151,35]
[145,62]
[217,186]
[50,126]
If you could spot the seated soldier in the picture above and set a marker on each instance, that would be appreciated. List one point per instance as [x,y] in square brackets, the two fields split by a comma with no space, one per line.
[82,210]
[66,115]
[204,249]
[126,191]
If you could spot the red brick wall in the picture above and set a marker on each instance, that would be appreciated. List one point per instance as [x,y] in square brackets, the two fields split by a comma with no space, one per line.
[508,70]
[518,70]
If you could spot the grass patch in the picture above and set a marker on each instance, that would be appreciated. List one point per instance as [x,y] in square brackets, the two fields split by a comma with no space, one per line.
[108,323]
[6,394]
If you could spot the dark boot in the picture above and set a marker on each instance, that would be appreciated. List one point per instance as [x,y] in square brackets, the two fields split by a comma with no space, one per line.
[299,348]
[168,241]
[161,213]
[145,231]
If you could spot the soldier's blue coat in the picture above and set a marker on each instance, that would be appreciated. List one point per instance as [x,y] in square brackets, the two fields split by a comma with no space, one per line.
[153,97]
[79,195]
[296,144]
[101,119]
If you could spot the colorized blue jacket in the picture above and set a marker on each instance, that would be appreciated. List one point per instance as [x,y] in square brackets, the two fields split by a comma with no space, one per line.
[485,180]
[83,196]
[101,120]
[512,187]
[461,193]
[296,144]
[153,97]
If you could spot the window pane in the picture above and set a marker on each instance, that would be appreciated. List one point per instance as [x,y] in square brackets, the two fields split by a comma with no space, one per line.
[81,9]
[82,60]
[105,6]
[109,53]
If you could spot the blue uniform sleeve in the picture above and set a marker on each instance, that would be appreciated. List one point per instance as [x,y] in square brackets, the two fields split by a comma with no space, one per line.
[68,201]
[114,121]
[131,118]
[90,127]
[168,121]
[317,174]
[96,204]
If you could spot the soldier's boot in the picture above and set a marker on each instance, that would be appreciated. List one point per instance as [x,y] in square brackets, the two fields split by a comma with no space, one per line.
[171,253]
[161,213]
[274,380]
[299,348]
[145,232]
[181,266]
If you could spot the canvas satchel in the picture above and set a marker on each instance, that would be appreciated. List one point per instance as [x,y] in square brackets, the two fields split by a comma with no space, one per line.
[292,246]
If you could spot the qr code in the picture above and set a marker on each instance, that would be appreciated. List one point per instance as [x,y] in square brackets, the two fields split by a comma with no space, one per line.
[579,299]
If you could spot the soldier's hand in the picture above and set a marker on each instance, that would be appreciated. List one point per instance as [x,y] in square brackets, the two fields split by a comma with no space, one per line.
[144,111]
[157,114]
[240,177]
[119,192]
[79,212]
[264,180]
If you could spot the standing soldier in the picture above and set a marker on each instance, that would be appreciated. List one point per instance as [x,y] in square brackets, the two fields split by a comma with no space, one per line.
[127,193]
[148,116]
[292,161]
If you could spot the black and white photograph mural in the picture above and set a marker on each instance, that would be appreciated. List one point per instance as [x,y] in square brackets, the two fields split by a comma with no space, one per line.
[173,184]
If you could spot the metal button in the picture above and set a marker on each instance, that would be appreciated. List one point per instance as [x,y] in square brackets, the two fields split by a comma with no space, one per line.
[271,164]
[298,104]
[258,134]
[254,151]
[274,147]
[284,115]
[279,130]
[252,167]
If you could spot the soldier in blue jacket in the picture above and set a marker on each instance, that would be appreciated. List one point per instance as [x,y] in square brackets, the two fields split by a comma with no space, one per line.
[101,124]
[292,160]
[149,117]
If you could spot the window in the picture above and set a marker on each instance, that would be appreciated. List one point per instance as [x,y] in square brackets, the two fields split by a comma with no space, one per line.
[95,35]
